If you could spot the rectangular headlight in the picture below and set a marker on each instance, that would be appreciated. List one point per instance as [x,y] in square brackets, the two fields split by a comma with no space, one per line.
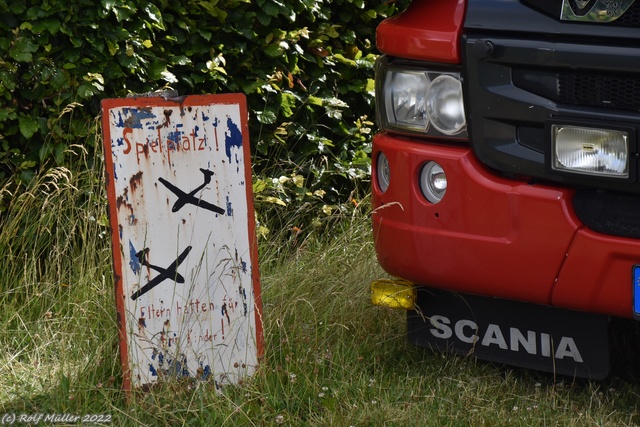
[590,151]
[418,100]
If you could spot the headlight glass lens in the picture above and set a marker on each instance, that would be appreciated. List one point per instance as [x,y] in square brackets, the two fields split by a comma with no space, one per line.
[444,105]
[405,100]
[413,100]
[592,151]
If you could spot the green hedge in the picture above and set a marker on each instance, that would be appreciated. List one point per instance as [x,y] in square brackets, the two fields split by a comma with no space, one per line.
[305,66]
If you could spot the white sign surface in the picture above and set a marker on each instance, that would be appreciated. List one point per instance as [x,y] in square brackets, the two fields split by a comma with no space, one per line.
[185,256]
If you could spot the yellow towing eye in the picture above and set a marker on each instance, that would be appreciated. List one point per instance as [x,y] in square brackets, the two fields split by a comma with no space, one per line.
[396,293]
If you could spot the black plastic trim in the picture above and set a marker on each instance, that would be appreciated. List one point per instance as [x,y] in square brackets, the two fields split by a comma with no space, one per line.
[506,123]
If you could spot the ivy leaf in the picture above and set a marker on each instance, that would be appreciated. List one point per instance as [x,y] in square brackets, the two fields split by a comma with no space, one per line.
[45,151]
[264,19]
[155,16]
[341,58]
[259,186]
[180,60]
[274,50]
[274,200]
[7,80]
[85,90]
[271,8]
[213,10]
[371,87]
[28,126]
[108,4]
[169,77]
[113,47]
[156,69]
[287,104]
[267,116]
[314,100]
[22,50]
[58,153]
[7,114]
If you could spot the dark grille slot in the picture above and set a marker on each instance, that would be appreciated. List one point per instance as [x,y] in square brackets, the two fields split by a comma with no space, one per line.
[609,213]
[621,93]
[584,89]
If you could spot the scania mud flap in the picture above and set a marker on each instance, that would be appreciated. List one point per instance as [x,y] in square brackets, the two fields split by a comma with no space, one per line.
[526,335]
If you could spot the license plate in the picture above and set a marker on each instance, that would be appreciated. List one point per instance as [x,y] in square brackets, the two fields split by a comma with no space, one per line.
[636,291]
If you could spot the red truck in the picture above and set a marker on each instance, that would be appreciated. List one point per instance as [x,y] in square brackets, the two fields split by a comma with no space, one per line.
[505,177]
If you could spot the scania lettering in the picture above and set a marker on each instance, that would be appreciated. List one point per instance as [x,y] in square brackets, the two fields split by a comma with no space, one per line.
[468,332]
[505,174]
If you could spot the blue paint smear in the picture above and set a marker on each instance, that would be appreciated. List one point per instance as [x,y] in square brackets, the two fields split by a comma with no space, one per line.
[232,139]
[229,207]
[119,122]
[205,118]
[244,301]
[244,265]
[169,366]
[173,140]
[133,259]
[134,117]
[206,372]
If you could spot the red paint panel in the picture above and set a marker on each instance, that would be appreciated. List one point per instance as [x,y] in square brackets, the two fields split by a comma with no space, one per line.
[427,30]
[597,274]
[488,236]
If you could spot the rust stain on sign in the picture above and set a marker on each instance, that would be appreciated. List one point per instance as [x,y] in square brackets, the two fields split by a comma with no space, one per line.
[184,241]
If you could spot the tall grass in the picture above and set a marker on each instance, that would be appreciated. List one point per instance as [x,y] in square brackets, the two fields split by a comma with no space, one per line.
[331,358]
[57,323]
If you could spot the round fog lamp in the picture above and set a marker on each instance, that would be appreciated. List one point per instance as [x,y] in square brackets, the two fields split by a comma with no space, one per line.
[433,182]
[384,175]
[445,106]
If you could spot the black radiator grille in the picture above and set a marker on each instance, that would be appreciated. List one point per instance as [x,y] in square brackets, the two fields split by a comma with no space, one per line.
[630,18]
[609,213]
[612,91]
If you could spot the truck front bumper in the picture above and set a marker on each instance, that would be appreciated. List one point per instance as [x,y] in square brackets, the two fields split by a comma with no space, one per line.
[494,236]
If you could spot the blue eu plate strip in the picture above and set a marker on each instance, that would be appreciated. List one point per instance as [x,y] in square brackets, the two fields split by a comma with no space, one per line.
[636,290]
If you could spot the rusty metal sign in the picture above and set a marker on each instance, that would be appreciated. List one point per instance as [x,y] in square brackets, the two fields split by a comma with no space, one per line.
[183,233]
